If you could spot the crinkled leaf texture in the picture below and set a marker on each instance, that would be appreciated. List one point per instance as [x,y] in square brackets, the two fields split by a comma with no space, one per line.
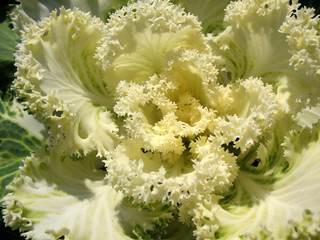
[176,115]
[276,42]
[275,194]
[60,83]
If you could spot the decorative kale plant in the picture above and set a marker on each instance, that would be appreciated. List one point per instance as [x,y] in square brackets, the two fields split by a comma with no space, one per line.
[153,119]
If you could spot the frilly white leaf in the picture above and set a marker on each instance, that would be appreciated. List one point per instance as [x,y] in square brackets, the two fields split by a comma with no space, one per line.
[140,36]
[277,200]
[56,197]
[59,81]
[309,116]
[264,39]
[302,27]
[149,178]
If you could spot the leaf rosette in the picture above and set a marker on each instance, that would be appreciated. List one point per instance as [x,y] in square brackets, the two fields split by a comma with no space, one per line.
[146,105]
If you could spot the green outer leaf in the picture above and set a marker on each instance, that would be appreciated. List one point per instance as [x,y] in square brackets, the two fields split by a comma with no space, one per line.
[209,12]
[15,141]
[8,41]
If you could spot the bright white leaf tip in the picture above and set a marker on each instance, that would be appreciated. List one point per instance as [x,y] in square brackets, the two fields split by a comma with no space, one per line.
[302,27]
[61,197]
[149,176]
[240,10]
[309,116]
[59,81]
[252,112]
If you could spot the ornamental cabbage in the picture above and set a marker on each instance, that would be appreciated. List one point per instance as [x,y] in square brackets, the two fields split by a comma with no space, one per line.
[168,120]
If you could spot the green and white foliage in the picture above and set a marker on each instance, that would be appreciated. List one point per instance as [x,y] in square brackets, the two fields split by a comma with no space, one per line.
[20,134]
